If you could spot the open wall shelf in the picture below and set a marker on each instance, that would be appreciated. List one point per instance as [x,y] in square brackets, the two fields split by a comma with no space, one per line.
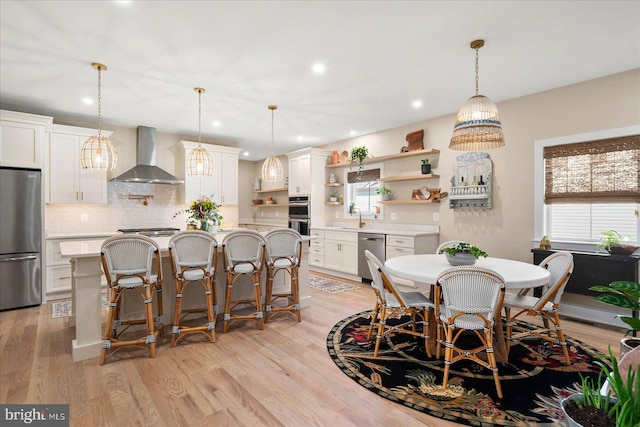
[397,156]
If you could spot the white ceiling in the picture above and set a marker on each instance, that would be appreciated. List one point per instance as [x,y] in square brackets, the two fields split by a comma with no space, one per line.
[380,56]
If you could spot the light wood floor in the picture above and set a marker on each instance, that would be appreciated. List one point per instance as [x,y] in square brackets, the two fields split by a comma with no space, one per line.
[281,376]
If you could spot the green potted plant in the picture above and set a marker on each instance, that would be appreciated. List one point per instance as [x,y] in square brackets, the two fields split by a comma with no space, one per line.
[463,254]
[333,196]
[623,294]
[590,407]
[611,241]
[385,193]
[358,154]
[204,211]
[425,167]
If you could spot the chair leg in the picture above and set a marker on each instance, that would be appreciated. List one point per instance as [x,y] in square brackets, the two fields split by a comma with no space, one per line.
[259,311]
[227,303]
[425,329]
[448,354]
[381,324]
[209,300]
[491,357]
[560,336]
[269,293]
[175,330]
[109,325]
[159,305]
[374,319]
[295,290]
[508,321]
[148,305]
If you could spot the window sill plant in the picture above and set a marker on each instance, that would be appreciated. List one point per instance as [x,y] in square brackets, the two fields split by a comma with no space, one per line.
[463,254]
[612,242]
[425,167]
[203,212]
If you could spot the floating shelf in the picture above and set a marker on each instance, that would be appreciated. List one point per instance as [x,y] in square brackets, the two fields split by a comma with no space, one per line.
[407,178]
[332,203]
[333,184]
[408,202]
[397,156]
[273,190]
[272,205]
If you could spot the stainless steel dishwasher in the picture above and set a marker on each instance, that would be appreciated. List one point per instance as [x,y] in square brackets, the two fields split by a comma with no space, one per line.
[374,243]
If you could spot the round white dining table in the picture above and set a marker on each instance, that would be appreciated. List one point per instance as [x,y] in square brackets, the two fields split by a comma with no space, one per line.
[426,268]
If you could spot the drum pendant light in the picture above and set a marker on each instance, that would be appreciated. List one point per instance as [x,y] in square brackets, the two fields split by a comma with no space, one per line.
[272,168]
[478,125]
[199,160]
[97,151]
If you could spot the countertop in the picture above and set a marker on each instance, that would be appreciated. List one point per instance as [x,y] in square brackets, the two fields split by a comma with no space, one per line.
[79,235]
[395,232]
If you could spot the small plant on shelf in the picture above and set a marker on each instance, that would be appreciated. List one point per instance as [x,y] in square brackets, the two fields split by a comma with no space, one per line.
[426,167]
[384,193]
[358,154]
[333,196]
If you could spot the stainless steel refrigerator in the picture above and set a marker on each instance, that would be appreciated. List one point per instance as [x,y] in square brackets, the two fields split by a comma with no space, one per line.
[20,237]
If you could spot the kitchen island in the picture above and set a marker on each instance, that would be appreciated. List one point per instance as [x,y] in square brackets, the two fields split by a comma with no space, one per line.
[87,290]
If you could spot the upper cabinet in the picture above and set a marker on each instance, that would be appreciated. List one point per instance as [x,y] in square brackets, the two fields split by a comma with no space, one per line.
[22,139]
[300,175]
[66,181]
[223,182]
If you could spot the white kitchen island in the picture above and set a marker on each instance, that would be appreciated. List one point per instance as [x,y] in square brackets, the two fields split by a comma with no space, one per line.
[87,290]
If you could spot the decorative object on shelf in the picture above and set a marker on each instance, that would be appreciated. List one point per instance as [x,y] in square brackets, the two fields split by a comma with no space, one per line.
[272,167]
[203,211]
[344,157]
[199,161]
[271,201]
[97,152]
[463,254]
[335,157]
[415,140]
[256,184]
[385,193]
[425,193]
[425,168]
[358,154]
[466,169]
[545,243]
[332,178]
[623,294]
[478,125]
[257,202]
[333,196]
[611,241]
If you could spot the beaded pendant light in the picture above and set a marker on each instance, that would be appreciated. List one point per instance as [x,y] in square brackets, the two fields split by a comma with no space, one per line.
[199,161]
[97,151]
[478,125]
[272,168]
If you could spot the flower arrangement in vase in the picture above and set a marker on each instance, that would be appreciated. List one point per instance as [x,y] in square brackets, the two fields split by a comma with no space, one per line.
[203,211]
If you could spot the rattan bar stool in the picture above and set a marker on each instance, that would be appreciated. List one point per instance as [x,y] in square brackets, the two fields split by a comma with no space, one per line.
[243,254]
[194,257]
[284,249]
[128,261]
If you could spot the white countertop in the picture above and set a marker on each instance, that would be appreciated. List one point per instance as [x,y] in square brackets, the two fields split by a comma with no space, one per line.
[410,233]
[79,235]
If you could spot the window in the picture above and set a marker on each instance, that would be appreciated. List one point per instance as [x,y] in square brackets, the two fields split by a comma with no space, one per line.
[362,190]
[586,184]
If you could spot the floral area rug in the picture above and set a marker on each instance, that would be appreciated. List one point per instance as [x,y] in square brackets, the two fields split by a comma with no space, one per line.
[328,285]
[534,380]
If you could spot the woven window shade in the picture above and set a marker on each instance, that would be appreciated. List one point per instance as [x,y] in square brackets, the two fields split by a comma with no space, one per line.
[364,176]
[603,171]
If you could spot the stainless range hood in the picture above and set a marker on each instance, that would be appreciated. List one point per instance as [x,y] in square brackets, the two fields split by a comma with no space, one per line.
[145,170]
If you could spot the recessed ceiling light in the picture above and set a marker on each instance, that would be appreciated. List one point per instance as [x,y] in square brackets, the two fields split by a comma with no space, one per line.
[87,101]
[416,104]
[246,154]
[216,123]
[319,68]
[300,138]
[353,132]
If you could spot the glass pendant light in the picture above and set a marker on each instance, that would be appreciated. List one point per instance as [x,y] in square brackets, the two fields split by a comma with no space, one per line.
[478,125]
[97,151]
[272,168]
[199,160]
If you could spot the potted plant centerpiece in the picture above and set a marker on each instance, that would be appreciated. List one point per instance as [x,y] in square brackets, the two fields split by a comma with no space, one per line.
[623,294]
[204,211]
[425,167]
[463,254]
[358,154]
[612,242]
[620,408]
[385,193]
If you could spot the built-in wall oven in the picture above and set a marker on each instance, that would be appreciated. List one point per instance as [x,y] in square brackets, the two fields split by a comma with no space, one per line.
[299,214]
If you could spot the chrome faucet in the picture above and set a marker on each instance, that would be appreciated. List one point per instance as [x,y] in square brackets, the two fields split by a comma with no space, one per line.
[353,208]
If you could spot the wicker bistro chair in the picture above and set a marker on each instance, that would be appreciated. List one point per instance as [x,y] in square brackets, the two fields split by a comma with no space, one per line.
[284,250]
[560,265]
[128,261]
[447,244]
[391,302]
[194,257]
[243,253]
[471,297]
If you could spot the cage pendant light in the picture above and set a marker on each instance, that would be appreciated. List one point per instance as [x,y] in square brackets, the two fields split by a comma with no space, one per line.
[478,125]
[199,160]
[97,152]
[272,168]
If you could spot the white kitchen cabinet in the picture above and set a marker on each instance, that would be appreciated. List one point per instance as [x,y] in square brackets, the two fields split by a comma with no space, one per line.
[300,175]
[22,139]
[223,182]
[341,251]
[67,181]
[402,245]
[316,248]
